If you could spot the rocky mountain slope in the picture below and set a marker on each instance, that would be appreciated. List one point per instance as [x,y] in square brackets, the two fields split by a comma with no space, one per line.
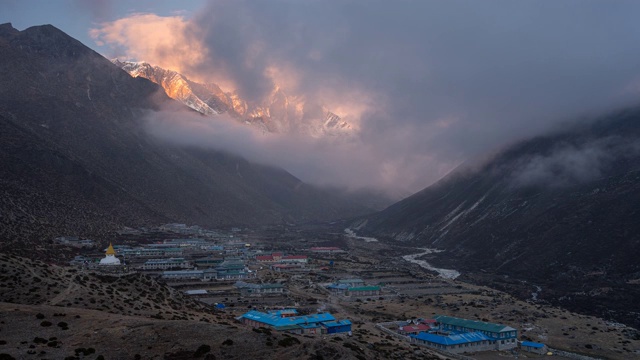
[76,158]
[279,113]
[557,216]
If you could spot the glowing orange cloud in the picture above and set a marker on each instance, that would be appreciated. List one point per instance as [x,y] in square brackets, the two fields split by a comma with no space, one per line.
[170,42]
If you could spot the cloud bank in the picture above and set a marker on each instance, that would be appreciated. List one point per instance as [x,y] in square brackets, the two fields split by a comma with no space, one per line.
[572,164]
[430,83]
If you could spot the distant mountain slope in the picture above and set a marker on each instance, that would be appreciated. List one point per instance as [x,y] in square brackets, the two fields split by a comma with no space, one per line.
[560,211]
[76,159]
[279,113]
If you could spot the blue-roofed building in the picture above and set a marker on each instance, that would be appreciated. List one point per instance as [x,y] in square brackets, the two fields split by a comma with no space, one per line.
[505,337]
[533,347]
[335,327]
[455,342]
[283,320]
[338,288]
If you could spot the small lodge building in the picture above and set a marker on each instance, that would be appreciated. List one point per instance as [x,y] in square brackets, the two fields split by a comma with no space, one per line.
[74,241]
[208,262]
[196,293]
[533,347]
[165,264]
[279,258]
[152,251]
[286,267]
[302,259]
[335,327]
[504,337]
[182,275]
[322,323]
[338,288]
[363,291]
[268,259]
[326,250]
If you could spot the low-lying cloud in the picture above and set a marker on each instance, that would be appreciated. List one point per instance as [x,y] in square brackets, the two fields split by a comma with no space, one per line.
[429,83]
[570,164]
[342,161]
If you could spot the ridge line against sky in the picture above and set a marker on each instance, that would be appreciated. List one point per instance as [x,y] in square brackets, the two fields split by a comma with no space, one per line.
[430,84]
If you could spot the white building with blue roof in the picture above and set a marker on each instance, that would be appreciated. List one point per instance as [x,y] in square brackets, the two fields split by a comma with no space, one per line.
[455,343]
[322,323]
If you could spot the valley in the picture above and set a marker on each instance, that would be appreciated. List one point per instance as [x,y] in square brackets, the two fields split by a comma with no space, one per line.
[142,304]
[132,228]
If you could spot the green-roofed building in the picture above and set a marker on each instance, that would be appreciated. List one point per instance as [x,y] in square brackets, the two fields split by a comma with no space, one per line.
[363,291]
[504,336]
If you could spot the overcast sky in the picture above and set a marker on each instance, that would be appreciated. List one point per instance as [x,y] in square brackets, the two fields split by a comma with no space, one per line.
[429,84]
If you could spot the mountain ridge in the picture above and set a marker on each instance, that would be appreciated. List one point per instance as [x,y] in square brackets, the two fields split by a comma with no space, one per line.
[278,113]
[78,160]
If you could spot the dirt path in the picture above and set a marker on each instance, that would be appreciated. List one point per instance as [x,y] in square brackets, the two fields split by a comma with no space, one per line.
[72,287]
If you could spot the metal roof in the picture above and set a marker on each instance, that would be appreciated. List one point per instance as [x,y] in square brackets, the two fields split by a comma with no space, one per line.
[283,312]
[365,288]
[532,344]
[336,323]
[309,326]
[473,324]
[276,321]
[338,286]
[196,292]
[183,272]
[456,339]
[346,281]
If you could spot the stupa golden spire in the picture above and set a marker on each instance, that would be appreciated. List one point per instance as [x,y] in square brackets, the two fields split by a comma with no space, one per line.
[110,250]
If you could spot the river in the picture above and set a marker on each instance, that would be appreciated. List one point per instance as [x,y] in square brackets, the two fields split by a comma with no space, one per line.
[445,273]
[352,234]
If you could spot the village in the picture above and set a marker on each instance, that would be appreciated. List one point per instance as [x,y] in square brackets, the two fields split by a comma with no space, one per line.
[306,286]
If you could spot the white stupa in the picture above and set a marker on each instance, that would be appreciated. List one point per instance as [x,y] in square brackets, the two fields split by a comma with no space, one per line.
[110,257]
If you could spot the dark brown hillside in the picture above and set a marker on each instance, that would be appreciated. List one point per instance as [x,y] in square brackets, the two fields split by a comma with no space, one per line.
[77,160]
[561,212]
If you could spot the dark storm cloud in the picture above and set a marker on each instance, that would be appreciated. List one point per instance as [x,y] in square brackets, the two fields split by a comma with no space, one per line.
[465,75]
[429,83]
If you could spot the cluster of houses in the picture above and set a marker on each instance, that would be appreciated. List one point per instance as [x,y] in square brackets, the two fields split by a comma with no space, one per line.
[288,320]
[457,335]
[280,262]
[229,269]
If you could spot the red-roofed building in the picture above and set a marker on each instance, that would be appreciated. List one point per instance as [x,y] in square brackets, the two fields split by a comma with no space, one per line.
[265,259]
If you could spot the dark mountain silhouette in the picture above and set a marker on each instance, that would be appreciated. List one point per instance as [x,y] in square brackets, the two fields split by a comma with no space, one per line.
[560,211]
[76,158]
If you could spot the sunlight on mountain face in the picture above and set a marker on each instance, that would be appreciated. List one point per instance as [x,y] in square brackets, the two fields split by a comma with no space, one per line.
[174,49]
